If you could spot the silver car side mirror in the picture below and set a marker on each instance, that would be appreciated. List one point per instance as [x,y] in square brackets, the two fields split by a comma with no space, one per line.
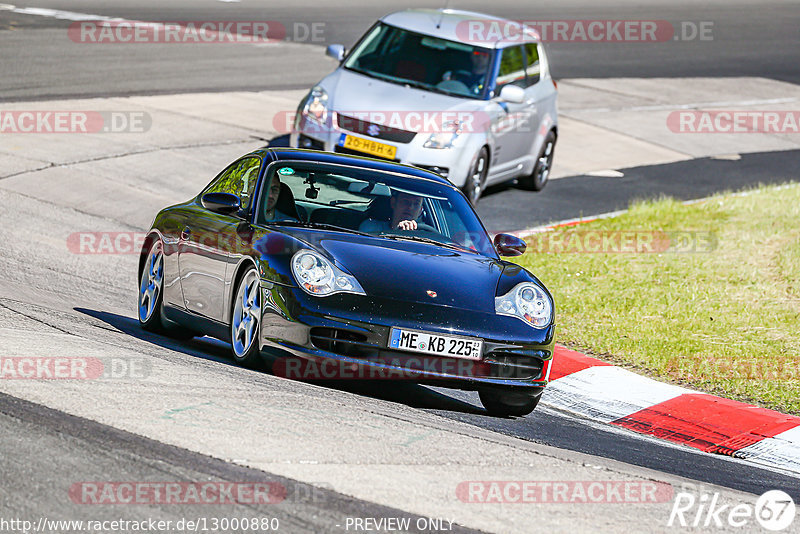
[336,51]
[513,94]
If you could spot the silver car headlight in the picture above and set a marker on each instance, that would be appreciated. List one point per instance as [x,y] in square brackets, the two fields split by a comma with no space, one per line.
[528,302]
[446,137]
[319,277]
[316,105]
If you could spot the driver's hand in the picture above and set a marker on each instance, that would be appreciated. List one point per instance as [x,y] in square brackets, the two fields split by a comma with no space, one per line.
[407,225]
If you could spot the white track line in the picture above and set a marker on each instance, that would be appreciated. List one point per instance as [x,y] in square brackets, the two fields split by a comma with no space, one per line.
[75,16]
[693,105]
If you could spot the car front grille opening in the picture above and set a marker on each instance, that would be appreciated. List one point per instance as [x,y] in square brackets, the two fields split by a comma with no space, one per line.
[375,130]
[344,342]
[514,365]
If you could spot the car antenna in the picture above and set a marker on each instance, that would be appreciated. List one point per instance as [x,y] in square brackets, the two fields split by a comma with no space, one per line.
[441,14]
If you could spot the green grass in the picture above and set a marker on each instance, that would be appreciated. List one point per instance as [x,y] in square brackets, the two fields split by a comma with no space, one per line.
[725,321]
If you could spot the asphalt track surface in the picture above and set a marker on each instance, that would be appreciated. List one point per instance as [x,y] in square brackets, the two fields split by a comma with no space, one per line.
[47,447]
[751,40]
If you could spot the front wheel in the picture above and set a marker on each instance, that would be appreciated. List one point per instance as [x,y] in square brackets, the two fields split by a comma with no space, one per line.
[541,170]
[476,179]
[246,319]
[504,404]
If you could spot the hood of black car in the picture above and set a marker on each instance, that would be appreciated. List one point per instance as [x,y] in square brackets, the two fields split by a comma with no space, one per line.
[411,271]
[419,272]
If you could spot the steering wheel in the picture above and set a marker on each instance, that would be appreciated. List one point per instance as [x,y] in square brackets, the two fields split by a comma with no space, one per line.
[453,86]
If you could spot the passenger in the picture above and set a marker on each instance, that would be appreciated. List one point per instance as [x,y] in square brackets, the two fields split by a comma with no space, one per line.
[271,211]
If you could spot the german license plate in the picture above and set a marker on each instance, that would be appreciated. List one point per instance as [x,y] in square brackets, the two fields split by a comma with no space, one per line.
[436,344]
[368,146]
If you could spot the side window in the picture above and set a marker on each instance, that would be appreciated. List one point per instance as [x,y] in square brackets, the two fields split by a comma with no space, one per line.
[239,179]
[532,67]
[512,68]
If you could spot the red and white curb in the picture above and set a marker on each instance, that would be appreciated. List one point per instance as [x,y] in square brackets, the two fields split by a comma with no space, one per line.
[601,392]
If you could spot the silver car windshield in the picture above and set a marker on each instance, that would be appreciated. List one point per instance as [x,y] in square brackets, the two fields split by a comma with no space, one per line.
[408,58]
[366,201]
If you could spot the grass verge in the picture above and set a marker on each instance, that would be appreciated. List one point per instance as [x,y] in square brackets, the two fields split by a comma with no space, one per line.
[706,295]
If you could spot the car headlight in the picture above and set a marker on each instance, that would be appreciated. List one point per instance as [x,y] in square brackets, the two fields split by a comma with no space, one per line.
[319,277]
[446,137]
[316,105]
[528,302]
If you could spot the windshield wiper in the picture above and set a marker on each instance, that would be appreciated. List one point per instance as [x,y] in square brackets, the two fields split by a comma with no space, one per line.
[396,79]
[365,72]
[321,226]
[421,239]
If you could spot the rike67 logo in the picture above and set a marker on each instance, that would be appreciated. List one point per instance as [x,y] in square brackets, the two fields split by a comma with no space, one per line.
[774,511]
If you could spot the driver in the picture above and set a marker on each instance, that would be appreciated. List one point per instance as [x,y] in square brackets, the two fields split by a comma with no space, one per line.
[406,209]
[475,78]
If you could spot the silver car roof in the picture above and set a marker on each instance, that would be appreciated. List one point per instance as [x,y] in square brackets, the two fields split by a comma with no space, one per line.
[444,23]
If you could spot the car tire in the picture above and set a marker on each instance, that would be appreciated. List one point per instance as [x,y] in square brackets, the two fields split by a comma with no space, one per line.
[246,320]
[476,178]
[504,404]
[151,297]
[541,170]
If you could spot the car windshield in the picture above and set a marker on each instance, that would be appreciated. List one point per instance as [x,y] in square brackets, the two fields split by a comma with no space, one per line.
[429,63]
[366,201]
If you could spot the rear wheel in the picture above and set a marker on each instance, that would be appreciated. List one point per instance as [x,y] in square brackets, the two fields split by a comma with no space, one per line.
[505,403]
[541,170]
[246,319]
[476,179]
[151,284]
[151,297]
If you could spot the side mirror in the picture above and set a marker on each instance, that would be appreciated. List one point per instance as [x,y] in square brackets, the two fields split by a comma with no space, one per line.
[221,202]
[509,245]
[513,94]
[336,51]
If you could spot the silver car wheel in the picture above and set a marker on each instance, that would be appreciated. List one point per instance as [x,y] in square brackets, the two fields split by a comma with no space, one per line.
[152,282]
[246,314]
[475,182]
[543,167]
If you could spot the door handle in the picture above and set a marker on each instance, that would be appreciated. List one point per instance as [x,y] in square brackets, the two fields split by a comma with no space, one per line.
[186,233]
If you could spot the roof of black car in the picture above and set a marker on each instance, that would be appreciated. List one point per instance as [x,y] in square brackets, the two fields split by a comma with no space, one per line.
[281,153]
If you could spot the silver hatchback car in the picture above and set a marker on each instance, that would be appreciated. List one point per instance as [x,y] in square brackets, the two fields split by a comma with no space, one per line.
[463,94]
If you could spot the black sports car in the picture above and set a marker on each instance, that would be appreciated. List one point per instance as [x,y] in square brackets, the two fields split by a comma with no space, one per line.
[338,266]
